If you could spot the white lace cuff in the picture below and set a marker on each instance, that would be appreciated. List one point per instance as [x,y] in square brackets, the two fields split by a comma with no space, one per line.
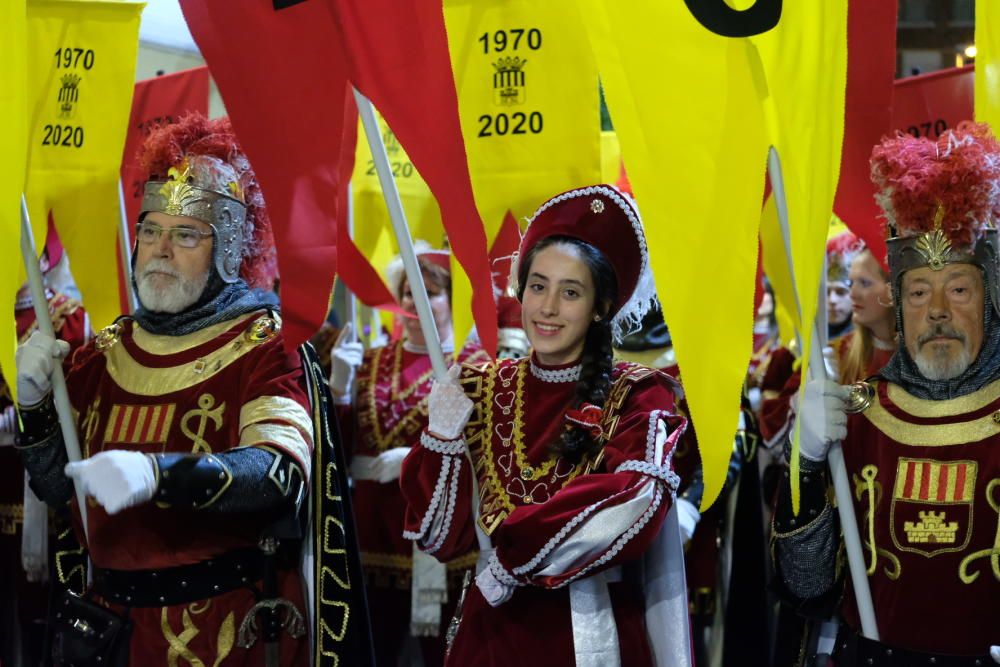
[448,447]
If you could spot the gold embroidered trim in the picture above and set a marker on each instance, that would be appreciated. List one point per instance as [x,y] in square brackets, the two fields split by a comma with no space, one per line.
[930,435]
[387,561]
[163,345]
[11,515]
[288,438]
[977,400]
[137,379]
[993,554]
[276,408]
[412,421]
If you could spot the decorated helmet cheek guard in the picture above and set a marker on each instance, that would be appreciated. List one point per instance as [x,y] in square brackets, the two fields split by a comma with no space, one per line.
[206,189]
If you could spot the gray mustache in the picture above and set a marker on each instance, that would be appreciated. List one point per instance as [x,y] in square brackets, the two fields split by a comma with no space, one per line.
[940,331]
[158,266]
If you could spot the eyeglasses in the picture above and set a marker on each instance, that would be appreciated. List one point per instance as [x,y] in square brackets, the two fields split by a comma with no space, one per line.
[184,237]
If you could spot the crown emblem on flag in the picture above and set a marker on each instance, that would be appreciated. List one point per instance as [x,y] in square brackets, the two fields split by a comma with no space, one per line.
[509,80]
[931,529]
[69,93]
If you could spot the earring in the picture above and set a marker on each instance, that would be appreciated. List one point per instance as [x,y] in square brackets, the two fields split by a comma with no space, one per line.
[885,305]
[597,318]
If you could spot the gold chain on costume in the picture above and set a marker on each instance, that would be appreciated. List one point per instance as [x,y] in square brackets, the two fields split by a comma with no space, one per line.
[994,553]
[397,367]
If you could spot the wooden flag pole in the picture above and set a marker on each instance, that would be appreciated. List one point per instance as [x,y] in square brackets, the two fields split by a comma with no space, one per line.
[59,392]
[835,459]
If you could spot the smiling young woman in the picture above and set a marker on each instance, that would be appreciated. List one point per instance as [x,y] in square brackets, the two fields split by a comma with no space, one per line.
[572,454]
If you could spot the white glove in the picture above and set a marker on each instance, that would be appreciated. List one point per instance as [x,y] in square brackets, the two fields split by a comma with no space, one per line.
[995,654]
[389,464]
[688,517]
[35,360]
[832,363]
[448,408]
[35,536]
[824,421]
[495,592]
[8,426]
[345,359]
[117,479]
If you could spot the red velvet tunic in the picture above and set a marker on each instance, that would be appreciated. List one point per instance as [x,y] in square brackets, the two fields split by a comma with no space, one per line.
[929,474]
[226,386]
[550,522]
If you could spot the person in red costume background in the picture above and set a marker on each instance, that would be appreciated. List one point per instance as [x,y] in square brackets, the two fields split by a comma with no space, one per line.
[200,436]
[921,437]
[409,593]
[571,453]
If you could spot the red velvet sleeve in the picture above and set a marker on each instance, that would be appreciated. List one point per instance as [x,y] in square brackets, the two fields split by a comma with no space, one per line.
[775,411]
[275,410]
[601,519]
[437,485]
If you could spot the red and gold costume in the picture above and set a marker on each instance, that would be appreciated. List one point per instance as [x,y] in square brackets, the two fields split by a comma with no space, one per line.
[927,489]
[549,524]
[225,386]
[391,411]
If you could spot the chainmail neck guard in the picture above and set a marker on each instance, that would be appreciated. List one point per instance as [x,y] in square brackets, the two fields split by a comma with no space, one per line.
[220,302]
[902,370]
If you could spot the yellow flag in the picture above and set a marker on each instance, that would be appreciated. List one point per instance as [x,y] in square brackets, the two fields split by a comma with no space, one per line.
[81,64]
[611,157]
[528,101]
[371,217]
[776,268]
[988,63]
[688,117]
[13,148]
[805,115]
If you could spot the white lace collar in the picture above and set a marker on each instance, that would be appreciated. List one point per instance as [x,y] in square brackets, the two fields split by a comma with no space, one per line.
[571,374]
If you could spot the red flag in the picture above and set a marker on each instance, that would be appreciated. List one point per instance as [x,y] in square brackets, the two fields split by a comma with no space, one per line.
[283,68]
[505,245]
[399,59]
[284,82]
[871,65]
[929,104]
[162,99]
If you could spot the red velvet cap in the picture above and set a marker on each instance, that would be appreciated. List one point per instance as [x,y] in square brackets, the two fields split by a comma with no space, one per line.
[603,217]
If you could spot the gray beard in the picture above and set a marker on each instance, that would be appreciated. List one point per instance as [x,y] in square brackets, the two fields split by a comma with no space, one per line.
[933,368]
[175,298]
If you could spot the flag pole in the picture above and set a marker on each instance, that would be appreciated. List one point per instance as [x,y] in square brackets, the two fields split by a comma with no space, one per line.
[59,393]
[835,459]
[402,231]
[124,250]
[351,302]
[413,273]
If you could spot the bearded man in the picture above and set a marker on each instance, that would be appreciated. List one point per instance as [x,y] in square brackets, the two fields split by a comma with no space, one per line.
[922,442]
[201,439]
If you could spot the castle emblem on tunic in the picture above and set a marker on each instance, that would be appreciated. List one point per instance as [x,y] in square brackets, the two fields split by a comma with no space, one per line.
[69,94]
[931,529]
[509,81]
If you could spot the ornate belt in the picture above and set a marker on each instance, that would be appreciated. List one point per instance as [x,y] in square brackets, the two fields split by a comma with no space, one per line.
[178,585]
[853,649]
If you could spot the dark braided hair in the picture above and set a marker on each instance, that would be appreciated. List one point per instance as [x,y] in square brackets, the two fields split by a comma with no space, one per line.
[597,360]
